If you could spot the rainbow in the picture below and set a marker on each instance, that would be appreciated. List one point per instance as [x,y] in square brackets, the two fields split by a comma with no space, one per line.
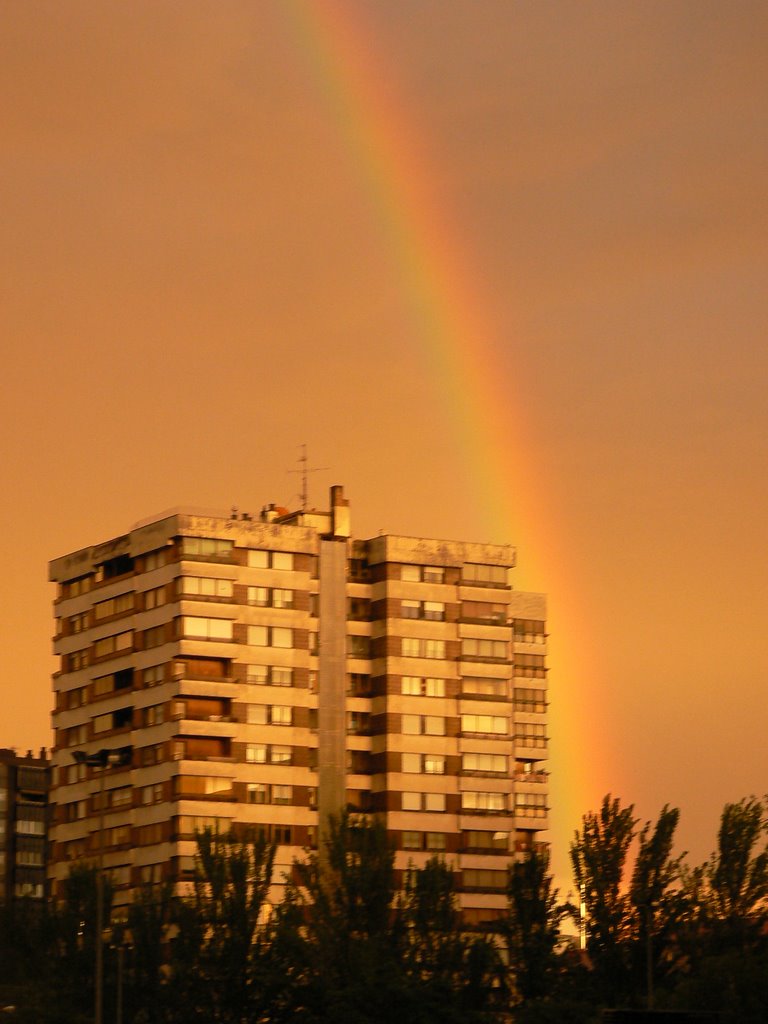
[461,347]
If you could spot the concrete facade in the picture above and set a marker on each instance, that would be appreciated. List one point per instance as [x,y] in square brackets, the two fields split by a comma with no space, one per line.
[264,671]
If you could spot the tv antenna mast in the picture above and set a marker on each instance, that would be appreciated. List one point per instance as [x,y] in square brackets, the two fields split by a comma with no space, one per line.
[305,471]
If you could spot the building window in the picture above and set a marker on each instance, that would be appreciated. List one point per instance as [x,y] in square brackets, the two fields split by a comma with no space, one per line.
[113,644]
[120,565]
[270,560]
[75,624]
[358,723]
[150,835]
[204,587]
[33,822]
[153,715]
[423,725]
[530,701]
[359,684]
[269,714]
[152,754]
[122,680]
[482,841]
[359,646]
[262,793]
[490,763]
[530,631]
[483,802]
[270,597]
[529,735]
[484,575]
[77,735]
[269,675]
[152,794]
[493,724]
[411,840]
[530,665]
[120,719]
[418,686]
[154,598]
[197,628]
[484,878]
[531,805]
[358,608]
[484,686]
[207,548]
[280,714]
[73,588]
[422,573]
[431,610]
[154,637]
[474,647]
[268,753]
[270,636]
[74,661]
[154,559]
[426,764]
[120,605]
[29,858]
[484,611]
[76,698]
[423,802]
[153,675]
[188,825]
[435,841]
[201,787]
[421,647]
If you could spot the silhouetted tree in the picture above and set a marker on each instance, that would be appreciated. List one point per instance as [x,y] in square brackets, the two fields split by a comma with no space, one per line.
[726,939]
[149,922]
[657,904]
[343,901]
[598,855]
[222,932]
[533,925]
[737,873]
[455,974]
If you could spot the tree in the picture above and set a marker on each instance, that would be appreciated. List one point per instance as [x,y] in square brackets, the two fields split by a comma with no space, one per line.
[454,974]
[357,951]
[149,922]
[656,900]
[737,873]
[222,932]
[598,855]
[533,925]
[339,926]
[726,937]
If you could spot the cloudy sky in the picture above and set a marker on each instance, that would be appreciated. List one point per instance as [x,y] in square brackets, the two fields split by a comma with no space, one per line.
[500,265]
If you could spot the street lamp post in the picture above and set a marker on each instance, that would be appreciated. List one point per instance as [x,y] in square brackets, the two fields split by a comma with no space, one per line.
[101,759]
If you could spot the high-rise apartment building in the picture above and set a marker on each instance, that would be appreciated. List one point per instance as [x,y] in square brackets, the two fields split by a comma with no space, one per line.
[24,784]
[263,672]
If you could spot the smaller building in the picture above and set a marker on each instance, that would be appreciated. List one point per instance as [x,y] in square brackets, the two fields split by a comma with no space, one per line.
[24,784]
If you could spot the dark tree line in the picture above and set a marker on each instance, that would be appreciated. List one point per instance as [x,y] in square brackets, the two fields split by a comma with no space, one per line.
[348,945]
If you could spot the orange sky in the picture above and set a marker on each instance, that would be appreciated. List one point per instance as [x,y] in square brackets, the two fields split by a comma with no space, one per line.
[198,274]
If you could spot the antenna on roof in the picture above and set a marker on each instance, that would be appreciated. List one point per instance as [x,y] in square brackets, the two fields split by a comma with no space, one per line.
[305,471]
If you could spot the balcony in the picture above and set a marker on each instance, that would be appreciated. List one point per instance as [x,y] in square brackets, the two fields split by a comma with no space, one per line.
[539,777]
